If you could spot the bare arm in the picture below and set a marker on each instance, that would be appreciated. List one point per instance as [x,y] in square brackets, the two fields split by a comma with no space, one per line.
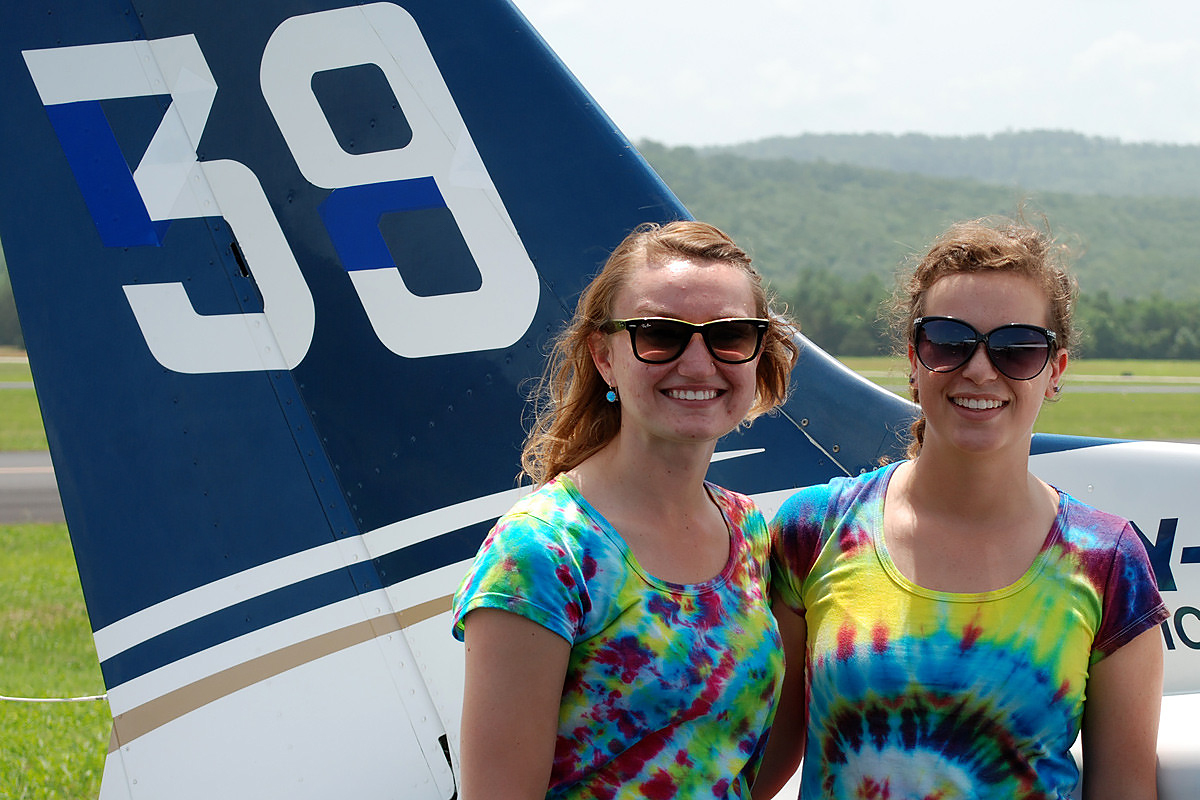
[1120,722]
[514,678]
[785,747]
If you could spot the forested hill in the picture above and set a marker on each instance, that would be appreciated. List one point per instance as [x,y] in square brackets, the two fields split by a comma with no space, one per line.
[1051,161]
[857,221]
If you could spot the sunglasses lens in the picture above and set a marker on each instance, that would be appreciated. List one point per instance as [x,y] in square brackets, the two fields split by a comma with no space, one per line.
[733,341]
[1020,353]
[660,340]
[944,345]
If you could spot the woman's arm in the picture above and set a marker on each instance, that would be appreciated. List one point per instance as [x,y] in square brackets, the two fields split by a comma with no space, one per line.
[1120,721]
[785,746]
[515,670]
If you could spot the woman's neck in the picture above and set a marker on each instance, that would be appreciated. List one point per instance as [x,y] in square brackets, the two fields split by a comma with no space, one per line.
[656,500]
[664,475]
[971,484]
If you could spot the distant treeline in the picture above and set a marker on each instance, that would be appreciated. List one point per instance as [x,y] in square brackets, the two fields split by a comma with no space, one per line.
[849,317]
[858,221]
[1051,161]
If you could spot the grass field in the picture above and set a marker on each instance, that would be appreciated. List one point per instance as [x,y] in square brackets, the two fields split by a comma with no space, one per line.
[20,418]
[47,750]
[14,371]
[1101,398]
[1138,371]
[20,421]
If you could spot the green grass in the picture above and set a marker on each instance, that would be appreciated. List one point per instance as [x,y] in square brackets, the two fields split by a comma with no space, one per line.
[881,369]
[20,421]
[1099,366]
[47,750]
[1113,414]
[14,372]
[1168,417]
[20,416]
[898,367]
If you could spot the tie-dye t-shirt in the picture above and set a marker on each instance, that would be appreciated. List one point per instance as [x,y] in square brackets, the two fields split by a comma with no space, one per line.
[927,694]
[670,688]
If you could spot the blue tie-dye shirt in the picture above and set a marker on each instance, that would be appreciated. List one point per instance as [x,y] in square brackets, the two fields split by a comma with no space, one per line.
[916,693]
[670,688]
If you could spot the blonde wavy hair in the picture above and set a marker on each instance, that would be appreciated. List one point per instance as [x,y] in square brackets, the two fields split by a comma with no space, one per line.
[571,418]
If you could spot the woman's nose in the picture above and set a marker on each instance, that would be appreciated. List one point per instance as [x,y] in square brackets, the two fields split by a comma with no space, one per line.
[696,360]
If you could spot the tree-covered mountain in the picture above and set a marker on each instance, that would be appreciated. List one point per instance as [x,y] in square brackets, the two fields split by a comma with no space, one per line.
[1050,161]
[856,221]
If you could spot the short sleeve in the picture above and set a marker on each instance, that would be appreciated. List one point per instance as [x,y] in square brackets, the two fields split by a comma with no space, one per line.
[1132,604]
[795,543]
[524,567]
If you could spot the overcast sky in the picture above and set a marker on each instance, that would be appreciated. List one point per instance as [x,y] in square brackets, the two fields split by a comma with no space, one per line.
[707,72]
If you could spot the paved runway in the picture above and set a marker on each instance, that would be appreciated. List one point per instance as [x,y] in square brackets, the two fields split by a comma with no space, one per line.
[28,491]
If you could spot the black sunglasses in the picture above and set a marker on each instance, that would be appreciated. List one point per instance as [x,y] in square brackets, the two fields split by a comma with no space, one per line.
[1018,351]
[657,340]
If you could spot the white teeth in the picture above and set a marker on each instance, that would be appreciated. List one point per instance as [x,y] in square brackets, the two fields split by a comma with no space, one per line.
[973,403]
[692,394]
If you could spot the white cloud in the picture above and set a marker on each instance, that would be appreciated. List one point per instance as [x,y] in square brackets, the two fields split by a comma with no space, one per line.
[1128,50]
[713,71]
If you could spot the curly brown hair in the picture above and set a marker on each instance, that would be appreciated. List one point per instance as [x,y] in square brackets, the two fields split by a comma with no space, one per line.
[996,244]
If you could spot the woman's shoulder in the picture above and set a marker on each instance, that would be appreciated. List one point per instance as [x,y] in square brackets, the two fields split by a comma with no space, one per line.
[549,501]
[840,492]
[553,511]
[1113,556]
[1105,543]
[1083,524]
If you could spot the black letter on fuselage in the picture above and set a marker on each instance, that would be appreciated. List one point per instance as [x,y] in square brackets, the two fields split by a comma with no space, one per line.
[1160,552]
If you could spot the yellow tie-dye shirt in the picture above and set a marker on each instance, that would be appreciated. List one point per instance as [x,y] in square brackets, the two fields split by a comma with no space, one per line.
[920,694]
